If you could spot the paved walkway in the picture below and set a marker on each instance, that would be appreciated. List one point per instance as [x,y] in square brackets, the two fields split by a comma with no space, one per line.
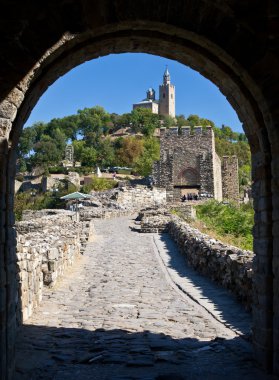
[131,309]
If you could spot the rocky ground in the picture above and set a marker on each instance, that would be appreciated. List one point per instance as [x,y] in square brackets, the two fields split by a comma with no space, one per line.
[125,312]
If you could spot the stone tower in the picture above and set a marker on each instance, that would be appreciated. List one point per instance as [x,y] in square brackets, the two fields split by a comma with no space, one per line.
[167,96]
[230,178]
[188,163]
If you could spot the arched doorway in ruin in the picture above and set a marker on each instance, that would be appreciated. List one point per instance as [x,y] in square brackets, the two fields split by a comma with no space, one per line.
[44,43]
[187,182]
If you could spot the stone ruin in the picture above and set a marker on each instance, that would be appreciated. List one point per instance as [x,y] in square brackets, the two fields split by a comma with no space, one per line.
[229,266]
[189,164]
[48,242]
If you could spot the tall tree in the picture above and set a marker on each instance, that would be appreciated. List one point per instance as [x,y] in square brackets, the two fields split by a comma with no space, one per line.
[130,151]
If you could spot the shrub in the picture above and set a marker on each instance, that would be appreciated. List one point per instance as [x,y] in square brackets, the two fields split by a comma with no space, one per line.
[58,170]
[19,177]
[27,201]
[99,184]
[229,220]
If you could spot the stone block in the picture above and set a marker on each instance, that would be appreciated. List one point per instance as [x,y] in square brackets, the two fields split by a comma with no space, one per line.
[52,265]
[7,110]
[53,254]
[185,131]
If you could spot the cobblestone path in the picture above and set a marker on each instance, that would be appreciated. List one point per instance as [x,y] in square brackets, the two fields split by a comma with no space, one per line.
[117,315]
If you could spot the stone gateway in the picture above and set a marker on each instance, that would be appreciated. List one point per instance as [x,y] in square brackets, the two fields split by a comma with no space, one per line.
[189,164]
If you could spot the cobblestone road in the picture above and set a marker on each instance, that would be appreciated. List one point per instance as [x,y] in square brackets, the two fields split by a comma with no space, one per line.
[119,315]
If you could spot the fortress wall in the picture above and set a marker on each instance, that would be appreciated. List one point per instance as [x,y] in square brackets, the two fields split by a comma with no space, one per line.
[230,181]
[229,266]
[191,150]
[200,139]
[47,243]
[206,173]
[123,201]
[226,265]
[217,170]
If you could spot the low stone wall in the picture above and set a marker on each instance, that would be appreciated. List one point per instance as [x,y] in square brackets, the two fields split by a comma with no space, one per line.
[229,266]
[154,220]
[88,213]
[141,196]
[48,242]
[123,201]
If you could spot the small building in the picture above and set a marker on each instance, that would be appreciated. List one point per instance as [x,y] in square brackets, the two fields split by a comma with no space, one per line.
[149,102]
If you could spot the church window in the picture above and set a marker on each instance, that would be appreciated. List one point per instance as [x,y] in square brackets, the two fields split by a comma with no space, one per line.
[164,95]
[172,96]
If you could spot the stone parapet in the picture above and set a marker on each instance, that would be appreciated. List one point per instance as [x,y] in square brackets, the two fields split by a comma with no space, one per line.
[47,243]
[229,266]
[154,220]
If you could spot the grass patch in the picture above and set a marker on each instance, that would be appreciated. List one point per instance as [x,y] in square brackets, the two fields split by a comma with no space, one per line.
[229,223]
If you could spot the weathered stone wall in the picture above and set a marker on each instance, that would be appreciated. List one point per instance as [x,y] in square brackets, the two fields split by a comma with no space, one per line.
[47,243]
[141,196]
[229,266]
[188,160]
[217,172]
[230,178]
[154,220]
[122,201]
[236,52]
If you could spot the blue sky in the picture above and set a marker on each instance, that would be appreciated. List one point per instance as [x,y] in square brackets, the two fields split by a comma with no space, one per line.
[117,81]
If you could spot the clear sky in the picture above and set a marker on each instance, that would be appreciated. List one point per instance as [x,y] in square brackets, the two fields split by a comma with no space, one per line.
[117,81]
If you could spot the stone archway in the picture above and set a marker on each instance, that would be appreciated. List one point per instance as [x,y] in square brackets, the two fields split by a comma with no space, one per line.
[231,43]
[189,176]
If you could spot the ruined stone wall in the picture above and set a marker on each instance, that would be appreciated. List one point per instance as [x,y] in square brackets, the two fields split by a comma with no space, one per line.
[162,173]
[189,160]
[217,170]
[229,266]
[47,243]
[230,180]
[141,196]
[122,201]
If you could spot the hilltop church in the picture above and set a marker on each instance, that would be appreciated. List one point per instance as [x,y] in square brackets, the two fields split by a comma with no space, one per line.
[188,160]
[166,103]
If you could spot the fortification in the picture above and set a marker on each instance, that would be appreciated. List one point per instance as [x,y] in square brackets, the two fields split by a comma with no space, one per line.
[188,163]
[230,178]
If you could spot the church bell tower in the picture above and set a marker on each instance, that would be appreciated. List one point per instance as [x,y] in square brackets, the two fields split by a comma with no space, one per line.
[167,96]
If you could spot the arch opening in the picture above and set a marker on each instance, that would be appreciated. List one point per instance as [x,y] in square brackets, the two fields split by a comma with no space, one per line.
[210,61]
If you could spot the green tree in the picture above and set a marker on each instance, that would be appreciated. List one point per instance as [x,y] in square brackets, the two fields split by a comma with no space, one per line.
[181,121]
[47,152]
[144,121]
[168,121]
[69,125]
[150,153]
[88,157]
[26,141]
[130,151]
[105,153]
[79,146]
[92,123]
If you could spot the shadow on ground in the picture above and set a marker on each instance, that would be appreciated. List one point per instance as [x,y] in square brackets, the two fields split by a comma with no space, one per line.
[216,298]
[75,353]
